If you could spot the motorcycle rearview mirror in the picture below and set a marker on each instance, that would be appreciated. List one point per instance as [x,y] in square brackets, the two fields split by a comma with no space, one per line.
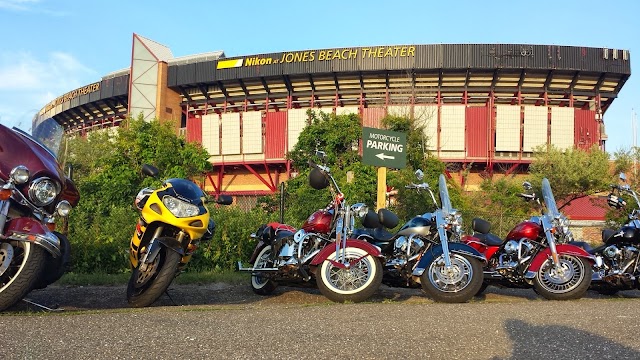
[527,185]
[150,170]
[224,200]
[419,174]
[322,155]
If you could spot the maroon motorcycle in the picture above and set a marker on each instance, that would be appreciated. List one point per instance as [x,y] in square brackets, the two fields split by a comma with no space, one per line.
[34,192]
[536,253]
[344,268]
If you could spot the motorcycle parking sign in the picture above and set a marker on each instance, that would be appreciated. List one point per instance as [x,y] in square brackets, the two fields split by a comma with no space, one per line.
[384,148]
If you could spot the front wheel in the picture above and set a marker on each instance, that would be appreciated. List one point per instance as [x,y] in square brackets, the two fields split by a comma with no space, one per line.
[457,284]
[570,280]
[147,286]
[21,265]
[262,285]
[356,283]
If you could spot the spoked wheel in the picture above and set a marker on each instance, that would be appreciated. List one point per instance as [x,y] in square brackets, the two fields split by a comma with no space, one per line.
[148,283]
[357,283]
[570,280]
[262,285]
[457,284]
[21,265]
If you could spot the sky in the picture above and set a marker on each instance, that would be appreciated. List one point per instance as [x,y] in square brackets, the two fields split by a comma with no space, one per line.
[49,47]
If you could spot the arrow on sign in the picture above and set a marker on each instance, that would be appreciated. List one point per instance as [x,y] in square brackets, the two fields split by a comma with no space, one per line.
[382,156]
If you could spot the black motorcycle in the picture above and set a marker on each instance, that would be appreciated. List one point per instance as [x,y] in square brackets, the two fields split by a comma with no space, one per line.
[426,250]
[617,264]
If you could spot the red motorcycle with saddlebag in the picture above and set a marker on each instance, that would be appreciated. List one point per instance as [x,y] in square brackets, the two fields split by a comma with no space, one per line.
[33,192]
[536,253]
[344,269]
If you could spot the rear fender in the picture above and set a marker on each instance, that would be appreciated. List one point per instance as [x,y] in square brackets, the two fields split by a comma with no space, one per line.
[436,250]
[360,244]
[562,249]
[261,245]
[28,229]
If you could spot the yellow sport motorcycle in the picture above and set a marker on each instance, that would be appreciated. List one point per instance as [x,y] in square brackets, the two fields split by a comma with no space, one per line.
[173,221]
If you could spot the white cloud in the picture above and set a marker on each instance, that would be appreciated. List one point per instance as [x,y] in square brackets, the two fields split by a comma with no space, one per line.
[33,6]
[29,83]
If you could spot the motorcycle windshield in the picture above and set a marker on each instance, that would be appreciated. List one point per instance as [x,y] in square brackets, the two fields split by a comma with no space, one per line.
[48,133]
[549,200]
[444,195]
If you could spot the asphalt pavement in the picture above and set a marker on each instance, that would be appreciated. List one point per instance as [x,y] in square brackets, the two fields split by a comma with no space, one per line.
[218,321]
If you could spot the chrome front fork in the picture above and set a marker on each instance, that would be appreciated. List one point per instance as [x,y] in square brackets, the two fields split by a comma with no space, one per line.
[4,211]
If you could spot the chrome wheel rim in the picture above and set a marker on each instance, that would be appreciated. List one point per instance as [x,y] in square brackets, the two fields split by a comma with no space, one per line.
[568,275]
[450,280]
[262,262]
[352,279]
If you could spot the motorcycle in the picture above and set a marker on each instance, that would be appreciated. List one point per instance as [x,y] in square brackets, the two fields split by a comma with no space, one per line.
[426,250]
[34,192]
[173,221]
[344,269]
[617,264]
[536,253]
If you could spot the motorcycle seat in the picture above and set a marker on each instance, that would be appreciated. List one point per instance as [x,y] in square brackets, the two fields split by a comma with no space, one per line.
[489,239]
[381,234]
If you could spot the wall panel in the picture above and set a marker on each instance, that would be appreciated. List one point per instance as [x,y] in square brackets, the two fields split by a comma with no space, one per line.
[562,127]
[275,135]
[252,132]
[477,131]
[586,128]
[211,133]
[507,128]
[296,121]
[452,128]
[194,129]
[230,133]
[427,117]
[535,127]
[371,117]
[346,110]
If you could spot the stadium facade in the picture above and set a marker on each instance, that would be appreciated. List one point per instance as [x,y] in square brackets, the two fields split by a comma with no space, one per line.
[482,105]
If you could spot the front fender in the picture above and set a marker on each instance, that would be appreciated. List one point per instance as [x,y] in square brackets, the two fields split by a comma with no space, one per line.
[331,248]
[172,243]
[562,249]
[28,229]
[436,250]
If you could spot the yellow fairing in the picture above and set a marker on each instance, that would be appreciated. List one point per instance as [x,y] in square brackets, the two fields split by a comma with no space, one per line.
[155,211]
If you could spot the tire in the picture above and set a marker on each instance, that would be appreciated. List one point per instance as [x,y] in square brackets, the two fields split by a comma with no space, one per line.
[145,288]
[457,287]
[571,285]
[483,287]
[338,284]
[260,285]
[55,267]
[21,264]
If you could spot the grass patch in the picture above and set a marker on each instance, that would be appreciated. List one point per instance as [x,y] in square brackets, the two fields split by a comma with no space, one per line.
[205,277]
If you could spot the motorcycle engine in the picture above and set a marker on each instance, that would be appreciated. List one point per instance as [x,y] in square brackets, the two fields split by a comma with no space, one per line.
[407,247]
[300,248]
[515,253]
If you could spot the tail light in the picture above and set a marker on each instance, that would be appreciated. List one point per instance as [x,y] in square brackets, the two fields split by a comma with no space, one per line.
[5,194]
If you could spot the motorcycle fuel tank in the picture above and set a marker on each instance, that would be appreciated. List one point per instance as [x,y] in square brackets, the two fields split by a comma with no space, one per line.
[527,229]
[318,222]
[626,235]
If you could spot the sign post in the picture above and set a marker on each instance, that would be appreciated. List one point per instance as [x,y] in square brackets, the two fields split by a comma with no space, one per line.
[383,148]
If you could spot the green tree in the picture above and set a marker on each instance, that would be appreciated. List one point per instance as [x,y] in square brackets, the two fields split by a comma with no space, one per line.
[572,173]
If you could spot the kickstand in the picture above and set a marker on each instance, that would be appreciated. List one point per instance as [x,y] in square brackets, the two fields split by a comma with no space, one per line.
[54,309]
[170,298]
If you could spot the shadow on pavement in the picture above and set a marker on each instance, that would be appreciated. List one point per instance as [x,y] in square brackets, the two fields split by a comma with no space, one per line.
[532,341]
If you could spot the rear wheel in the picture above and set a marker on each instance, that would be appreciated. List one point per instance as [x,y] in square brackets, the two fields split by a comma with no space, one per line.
[262,285]
[357,283]
[570,280]
[21,265]
[146,286]
[457,284]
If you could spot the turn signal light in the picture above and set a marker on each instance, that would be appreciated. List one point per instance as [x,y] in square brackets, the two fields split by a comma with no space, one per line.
[5,194]
[51,226]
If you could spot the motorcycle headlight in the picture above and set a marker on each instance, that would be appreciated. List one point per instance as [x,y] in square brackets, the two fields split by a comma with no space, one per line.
[19,174]
[179,208]
[43,191]
[63,208]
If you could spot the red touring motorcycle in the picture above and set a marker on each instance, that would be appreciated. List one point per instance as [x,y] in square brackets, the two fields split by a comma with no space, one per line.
[345,269]
[535,253]
[33,190]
